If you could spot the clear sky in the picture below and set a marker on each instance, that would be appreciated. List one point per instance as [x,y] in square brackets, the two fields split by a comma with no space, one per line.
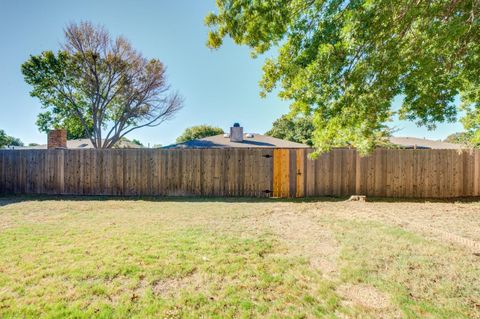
[219,87]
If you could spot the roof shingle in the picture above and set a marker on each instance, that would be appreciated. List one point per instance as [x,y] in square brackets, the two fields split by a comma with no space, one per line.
[223,141]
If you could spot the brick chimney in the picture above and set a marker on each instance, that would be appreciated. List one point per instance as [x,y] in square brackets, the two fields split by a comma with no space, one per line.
[57,139]
[236,133]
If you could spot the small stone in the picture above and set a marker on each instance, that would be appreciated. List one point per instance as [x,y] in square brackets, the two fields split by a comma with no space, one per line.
[357,198]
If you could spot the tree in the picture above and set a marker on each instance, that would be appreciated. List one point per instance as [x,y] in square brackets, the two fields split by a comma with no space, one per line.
[6,140]
[300,129]
[471,123]
[199,131]
[346,61]
[296,129]
[137,142]
[59,118]
[459,138]
[100,84]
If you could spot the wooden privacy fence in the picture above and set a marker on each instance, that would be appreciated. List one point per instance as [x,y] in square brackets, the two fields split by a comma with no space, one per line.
[206,172]
[385,173]
[241,172]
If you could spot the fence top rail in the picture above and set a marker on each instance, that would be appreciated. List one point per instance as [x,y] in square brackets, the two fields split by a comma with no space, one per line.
[464,150]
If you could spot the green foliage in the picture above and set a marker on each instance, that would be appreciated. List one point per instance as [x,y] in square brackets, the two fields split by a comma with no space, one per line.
[6,140]
[296,129]
[198,131]
[471,123]
[58,118]
[459,138]
[346,61]
[127,143]
[300,129]
[44,72]
[99,87]
[135,141]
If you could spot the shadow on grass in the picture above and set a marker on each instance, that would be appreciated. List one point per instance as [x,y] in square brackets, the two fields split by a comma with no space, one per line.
[12,199]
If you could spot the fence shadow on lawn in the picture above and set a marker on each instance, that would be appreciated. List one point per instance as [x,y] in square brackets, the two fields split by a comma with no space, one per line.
[13,199]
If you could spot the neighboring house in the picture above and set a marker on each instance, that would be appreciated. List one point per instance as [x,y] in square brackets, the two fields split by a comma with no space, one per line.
[238,139]
[83,143]
[422,143]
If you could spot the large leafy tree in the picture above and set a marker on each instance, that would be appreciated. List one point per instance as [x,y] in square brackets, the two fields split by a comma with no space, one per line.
[296,129]
[346,61]
[198,131]
[99,86]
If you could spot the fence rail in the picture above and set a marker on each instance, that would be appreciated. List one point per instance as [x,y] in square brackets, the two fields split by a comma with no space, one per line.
[241,172]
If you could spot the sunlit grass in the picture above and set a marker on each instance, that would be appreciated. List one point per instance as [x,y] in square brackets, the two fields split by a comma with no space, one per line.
[84,258]
[423,278]
[123,259]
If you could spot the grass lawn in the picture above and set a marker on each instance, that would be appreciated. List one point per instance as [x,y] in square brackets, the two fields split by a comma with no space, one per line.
[169,258]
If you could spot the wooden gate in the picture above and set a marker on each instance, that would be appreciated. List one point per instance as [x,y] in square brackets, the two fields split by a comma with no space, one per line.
[289,172]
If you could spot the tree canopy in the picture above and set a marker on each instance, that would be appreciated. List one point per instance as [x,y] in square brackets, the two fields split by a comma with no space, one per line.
[344,62]
[198,131]
[98,86]
[459,138]
[6,140]
[60,118]
[296,129]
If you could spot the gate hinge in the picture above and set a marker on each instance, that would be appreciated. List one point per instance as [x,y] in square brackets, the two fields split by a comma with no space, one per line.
[267,191]
[267,156]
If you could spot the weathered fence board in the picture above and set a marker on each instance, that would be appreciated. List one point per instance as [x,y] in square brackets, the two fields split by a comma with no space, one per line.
[241,172]
[227,172]
[385,173]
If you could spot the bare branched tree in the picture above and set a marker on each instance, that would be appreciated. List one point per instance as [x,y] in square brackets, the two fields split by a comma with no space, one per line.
[109,86]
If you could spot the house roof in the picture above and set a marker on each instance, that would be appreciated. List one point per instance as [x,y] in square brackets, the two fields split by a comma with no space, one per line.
[415,142]
[223,141]
[264,141]
[83,143]
[257,141]
[86,143]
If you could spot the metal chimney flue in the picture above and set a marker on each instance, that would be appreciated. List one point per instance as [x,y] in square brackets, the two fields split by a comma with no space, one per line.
[236,133]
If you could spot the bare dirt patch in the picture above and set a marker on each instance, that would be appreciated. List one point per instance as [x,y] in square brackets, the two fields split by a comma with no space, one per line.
[369,300]
[304,236]
[172,286]
[365,296]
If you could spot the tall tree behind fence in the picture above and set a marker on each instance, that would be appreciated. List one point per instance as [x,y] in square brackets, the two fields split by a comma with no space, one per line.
[241,172]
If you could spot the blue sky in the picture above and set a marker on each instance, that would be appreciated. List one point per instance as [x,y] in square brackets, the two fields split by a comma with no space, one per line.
[219,87]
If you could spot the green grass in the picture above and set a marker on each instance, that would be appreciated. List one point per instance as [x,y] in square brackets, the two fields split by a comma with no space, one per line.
[84,258]
[424,278]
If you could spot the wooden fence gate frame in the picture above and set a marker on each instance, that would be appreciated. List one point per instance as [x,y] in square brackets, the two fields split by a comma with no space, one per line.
[288,173]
